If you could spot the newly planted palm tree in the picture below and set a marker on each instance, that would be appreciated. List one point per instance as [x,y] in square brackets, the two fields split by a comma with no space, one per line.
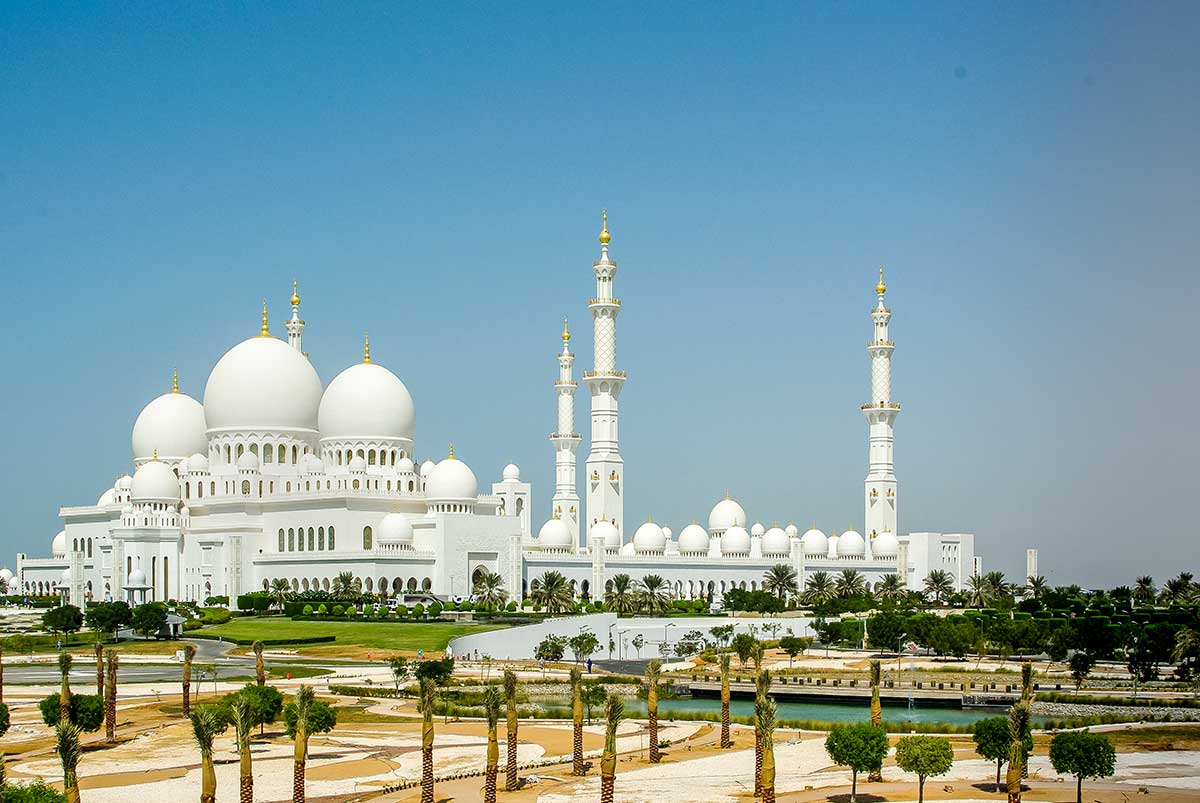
[621,598]
[1027,682]
[554,593]
[876,668]
[614,710]
[489,590]
[725,740]
[762,688]
[780,580]
[98,650]
[428,697]
[343,585]
[764,720]
[64,694]
[654,595]
[576,721]
[510,717]
[110,695]
[189,655]
[304,703]
[69,752]
[653,671]
[491,709]
[1018,725]
[207,723]
[260,671]
[241,716]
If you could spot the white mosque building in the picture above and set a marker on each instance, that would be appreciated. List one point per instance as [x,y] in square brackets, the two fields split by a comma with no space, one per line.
[273,476]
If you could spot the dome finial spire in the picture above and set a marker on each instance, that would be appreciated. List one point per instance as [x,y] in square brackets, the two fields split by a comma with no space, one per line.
[175,380]
[566,335]
[451,455]
[366,347]
[605,237]
[881,288]
[295,293]
[265,331]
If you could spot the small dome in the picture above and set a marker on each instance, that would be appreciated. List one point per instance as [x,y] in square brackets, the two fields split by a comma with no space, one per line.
[885,545]
[452,479]
[427,467]
[725,514]
[649,538]
[6,574]
[171,425]
[758,529]
[605,533]
[248,462]
[124,483]
[315,465]
[851,544]
[512,473]
[358,464]
[792,530]
[155,482]
[628,550]
[185,511]
[107,498]
[693,540]
[395,529]
[815,542]
[405,465]
[137,579]
[197,464]
[667,533]
[366,401]
[262,383]
[735,541]
[554,535]
[776,542]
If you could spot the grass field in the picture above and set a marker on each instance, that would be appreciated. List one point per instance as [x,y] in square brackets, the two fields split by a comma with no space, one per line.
[375,636]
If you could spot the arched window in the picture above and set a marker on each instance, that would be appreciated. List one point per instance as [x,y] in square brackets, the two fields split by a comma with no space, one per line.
[312,539]
[300,540]
[291,540]
[254,449]
[281,540]
[282,453]
[366,537]
[268,453]
[295,455]
[520,505]
[166,578]
[212,489]
[245,487]
[289,487]
[355,484]
[410,486]
[154,577]
[89,547]
[412,584]
[331,537]
[362,454]
[426,584]
[200,490]
[371,458]
[228,457]
[187,490]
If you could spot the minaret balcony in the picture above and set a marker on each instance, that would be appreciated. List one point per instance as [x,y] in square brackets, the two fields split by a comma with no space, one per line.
[604,375]
[565,436]
[882,405]
[604,302]
[881,344]
[566,385]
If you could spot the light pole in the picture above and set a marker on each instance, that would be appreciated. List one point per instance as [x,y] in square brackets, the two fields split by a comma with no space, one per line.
[666,639]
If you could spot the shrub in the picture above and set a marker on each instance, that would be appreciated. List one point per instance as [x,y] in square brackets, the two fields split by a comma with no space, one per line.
[419,611]
[467,606]
[322,610]
[86,710]
[435,609]
[36,792]
[338,610]
[215,616]
[402,610]
[308,611]
[511,606]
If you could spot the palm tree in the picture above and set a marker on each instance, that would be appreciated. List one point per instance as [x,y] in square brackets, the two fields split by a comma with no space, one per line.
[110,695]
[820,587]
[1186,654]
[850,583]
[189,654]
[241,716]
[1018,725]
[304,704]
[207,723]
[1176,590]
[762,685]
[1027,682]
[428,696]
[876,668]
[1144,592]
[64,695]
[260,671]
[653,671]
[576,721]
[997,585]
[281,592]
[491,709]
[939,584]
[554,593]
[725,740]
[622,597]
[891,588]
[780,580]
[69,752]
[1035,587]
[98,648]
[343,585]
[614,710]
[654,595]
[764,720]
[979,593]
[489,590]
[510,717]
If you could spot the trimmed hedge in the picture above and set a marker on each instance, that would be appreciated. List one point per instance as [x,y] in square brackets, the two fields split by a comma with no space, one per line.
[246,642]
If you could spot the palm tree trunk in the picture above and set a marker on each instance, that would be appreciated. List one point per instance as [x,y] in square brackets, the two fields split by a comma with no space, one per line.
[299,760]
[652,713]
[99,671]
[71,786]
[208,780]
[245,772]
[110,698]
[608,776]
[493,767]
[510,770]
[758,762]
[577,732]
[876,775]
[187,687]
[260,671]
[768,772]
[427,760]
[725,740]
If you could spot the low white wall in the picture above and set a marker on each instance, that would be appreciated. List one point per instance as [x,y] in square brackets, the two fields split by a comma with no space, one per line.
[520,642]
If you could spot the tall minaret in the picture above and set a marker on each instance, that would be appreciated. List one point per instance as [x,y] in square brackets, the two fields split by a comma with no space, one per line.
[605,468]
[565,439]
[881,412]
[295,326]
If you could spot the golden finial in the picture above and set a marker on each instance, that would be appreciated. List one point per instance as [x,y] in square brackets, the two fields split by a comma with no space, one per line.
[366,348]
[451,455]
[265,332]
[881,288]
[295,294]
[175,381]
[566,335]
[650,519]
[604,235]
[726,493]
[155,457]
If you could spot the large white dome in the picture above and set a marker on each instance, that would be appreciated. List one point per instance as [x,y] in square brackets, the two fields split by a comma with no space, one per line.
[395,529]
[172,425]
[649,538]
[605,532]
[155,482]
[451,479]
[262,383]
[735,541]
[851,544]
[366,401]
[776,542]
[693,540]
[554,535]
[58,547]
[725,514]
[885,545]
[815,542]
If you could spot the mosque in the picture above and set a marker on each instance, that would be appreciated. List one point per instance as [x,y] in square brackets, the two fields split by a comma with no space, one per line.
[274,476]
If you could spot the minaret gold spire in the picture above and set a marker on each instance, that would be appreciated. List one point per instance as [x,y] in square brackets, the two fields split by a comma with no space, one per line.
[295,294]
[451,455]
[881,288]
[265,331]
[605,237]
[366,348]
[175,381]
[566,335]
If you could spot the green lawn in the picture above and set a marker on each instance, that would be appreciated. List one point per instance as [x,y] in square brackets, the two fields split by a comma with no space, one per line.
[427,636]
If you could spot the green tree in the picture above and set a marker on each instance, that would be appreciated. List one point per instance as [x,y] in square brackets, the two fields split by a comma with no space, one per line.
[241,716]
[438,670]
[108,617]
[149,618]
[551,649]
[891,588]
[885,629]
[66,619]
[553,593]
[1019,738]
[993,741]
[488,590]
[793,646]
[1144,592]
[850,583]
[85,711]
[860,746]
[654,596]
[491,710]
[1084,755]
[266,703]
[69,753]
[281,592]
[614,711]
[744,645]
[583,645]
[924,756]
[401,670]
[1081,664]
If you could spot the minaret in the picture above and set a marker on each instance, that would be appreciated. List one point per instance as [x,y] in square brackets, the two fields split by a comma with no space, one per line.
[881,412]
[565,504]
[605,469]
[295,326]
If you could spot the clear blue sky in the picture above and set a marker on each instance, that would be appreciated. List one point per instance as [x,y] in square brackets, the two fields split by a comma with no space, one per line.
[434,174]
